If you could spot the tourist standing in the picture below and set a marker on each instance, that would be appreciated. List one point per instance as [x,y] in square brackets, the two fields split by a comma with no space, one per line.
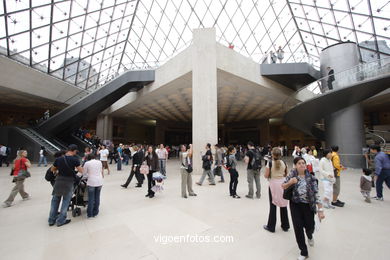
[20,163]
[304,204]
[337,170]
[63,187]
[162,154]
[253,160]
[103,152]
[231,164]
[280,54]
[330,78]
[151,159]
[382,170]
[186,176]
[93,170]
[275,172]
[207,161]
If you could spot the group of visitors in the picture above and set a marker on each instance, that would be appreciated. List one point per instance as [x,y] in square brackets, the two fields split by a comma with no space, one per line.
[297,188]
[273,56]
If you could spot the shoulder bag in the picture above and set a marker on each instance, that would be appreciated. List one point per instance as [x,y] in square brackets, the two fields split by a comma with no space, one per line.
[22,172]
[144,169]
[288,193]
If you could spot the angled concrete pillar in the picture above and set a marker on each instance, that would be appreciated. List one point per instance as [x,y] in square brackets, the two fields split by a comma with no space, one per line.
[104,127]
[204,93]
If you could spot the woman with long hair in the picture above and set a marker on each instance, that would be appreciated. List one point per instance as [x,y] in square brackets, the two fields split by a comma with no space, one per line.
[20,163]
[275,172]
[304,204]
[185,158]
[151,159]
[231,164]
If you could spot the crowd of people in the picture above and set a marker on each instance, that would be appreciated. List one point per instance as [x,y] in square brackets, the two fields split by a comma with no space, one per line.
[297,188]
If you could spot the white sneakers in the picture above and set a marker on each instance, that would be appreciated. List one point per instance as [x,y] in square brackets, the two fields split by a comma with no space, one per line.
[301,257]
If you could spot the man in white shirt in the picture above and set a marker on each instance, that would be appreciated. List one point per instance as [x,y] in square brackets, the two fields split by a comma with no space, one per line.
[3,154]
[162,158]
[103,152]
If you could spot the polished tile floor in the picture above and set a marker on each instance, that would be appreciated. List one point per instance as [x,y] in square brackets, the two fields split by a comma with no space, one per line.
[131,226]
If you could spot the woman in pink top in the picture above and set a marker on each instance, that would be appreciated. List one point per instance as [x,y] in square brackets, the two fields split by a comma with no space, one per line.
[276,172]
[93,170]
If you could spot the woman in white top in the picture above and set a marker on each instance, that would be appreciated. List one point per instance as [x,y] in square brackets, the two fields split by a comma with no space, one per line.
[327,177]
[93,170]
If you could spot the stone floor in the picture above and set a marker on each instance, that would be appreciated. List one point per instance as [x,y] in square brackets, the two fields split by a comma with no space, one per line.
[129,224]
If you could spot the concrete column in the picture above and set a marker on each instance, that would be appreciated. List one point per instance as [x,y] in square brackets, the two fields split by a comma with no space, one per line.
[104,127]
[264,132]
[204,93]
[344,128]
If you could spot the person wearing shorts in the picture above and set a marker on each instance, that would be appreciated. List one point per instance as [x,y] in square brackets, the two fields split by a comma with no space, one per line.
[103,152]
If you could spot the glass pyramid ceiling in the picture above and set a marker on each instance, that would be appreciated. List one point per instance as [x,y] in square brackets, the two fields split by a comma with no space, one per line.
[89,42]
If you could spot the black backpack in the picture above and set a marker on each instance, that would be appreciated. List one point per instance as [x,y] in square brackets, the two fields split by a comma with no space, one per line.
[228,164]
[256,160]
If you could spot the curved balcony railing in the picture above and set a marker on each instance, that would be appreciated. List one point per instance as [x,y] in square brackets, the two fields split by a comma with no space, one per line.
[340,80]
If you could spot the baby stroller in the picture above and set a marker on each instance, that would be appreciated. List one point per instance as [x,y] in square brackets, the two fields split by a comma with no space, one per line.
[80,197]
[159,180]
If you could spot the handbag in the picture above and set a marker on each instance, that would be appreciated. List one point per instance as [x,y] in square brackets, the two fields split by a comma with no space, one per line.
[22,172]
[189,168]
[288,193]
[144,169]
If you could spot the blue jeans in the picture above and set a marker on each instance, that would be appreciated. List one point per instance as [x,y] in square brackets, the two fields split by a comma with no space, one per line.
[55,203]
[126,159]
[119,164]
[163,166]
[42,159]
[93,201]
[384,177]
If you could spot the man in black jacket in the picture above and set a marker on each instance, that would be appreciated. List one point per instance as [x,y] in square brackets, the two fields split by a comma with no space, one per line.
[330,78]
[137,161]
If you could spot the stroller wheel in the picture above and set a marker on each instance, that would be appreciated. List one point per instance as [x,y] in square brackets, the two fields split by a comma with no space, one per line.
[74,213]
[78,211]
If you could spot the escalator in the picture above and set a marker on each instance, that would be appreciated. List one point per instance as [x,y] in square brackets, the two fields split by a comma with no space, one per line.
[89,107]
[351,86]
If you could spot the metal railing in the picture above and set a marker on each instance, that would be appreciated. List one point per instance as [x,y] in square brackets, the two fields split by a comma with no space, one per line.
[340,80]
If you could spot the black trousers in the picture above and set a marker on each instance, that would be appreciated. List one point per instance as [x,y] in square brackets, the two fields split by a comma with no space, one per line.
[233,182]
[302,218]
[272,215]
[137,174]
[151,183]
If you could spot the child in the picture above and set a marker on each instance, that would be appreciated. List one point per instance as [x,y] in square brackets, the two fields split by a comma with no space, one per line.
[365,184]
[327,177]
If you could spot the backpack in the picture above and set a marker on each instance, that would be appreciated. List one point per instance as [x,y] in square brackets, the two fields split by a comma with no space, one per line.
[256,160]
[228,164]
[44,152]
